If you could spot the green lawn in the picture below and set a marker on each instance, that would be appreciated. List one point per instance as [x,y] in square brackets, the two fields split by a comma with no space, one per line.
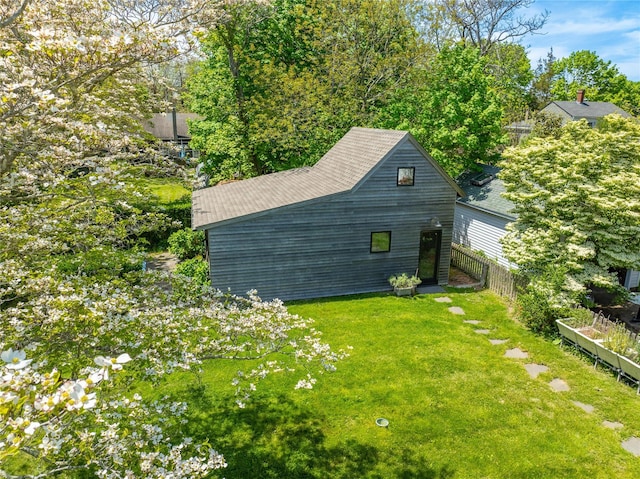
[457,407]
[166,190]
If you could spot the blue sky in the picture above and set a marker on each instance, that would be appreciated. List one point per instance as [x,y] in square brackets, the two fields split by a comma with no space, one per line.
[610,28]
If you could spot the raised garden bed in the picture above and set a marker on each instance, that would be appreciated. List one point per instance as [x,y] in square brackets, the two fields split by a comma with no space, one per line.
[607,342]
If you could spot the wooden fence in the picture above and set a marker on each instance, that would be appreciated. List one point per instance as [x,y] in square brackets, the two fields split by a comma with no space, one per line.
[488,273]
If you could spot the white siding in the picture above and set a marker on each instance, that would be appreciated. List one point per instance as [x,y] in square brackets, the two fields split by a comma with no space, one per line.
[632,279]
[480,231]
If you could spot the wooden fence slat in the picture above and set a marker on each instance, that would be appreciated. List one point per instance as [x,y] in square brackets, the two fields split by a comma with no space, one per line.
[491,275]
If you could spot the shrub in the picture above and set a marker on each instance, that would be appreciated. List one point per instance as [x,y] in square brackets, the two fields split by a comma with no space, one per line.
[546,298]
[404,281]
[195,268]
[186,243]
[101,263]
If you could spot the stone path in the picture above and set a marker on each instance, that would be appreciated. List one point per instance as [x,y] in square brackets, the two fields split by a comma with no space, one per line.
[443,299]
[516,353]
[612,425]
[588,408]
[559,385]
[535,370]
[632,444]
[162,262]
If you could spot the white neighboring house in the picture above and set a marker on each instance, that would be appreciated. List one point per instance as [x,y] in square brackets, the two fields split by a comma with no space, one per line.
[481,217]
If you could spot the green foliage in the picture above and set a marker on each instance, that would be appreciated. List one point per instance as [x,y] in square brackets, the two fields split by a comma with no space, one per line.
[510,68]
[196,268]
[584,70]
[282,84]
[452,110]
[186,243]
[101,263]
[542,80]
[579,318]
[546,125]
[577,201]
[619,339]
[404,281]
[546,299]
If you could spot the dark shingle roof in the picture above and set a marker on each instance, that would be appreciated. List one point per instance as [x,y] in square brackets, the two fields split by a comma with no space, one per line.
[340,170]
[590,109]
[487,197]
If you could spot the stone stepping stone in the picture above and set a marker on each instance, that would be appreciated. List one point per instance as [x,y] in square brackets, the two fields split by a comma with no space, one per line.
[496,342]
[535,369]
[516,353]
[472,321]
[632,445]
[456,310]
[559,385]
[588,408]
[482,331]
[612,425]
[443,299]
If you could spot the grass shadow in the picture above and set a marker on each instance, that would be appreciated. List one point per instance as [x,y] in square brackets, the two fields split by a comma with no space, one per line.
[274,437]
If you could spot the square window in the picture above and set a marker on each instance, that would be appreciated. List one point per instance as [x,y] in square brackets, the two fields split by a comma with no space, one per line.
[405,176]
[381,242]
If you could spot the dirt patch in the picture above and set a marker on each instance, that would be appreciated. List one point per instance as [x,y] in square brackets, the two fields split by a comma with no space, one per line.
[162,262]
[460,278]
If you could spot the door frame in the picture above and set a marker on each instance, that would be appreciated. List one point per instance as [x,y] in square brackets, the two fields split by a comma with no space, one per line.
[438,233]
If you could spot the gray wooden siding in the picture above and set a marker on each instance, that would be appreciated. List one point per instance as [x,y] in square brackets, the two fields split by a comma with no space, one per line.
[322,248]
[480,231]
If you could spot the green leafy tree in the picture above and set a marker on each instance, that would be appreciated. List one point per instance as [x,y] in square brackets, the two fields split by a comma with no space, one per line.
[584,70]
[509,65]
[542,81]
[283,83]
[75,306]
[577,200]
[545,124]
[452,110]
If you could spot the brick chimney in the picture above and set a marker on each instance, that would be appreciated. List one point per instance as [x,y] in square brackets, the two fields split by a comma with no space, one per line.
[580,97]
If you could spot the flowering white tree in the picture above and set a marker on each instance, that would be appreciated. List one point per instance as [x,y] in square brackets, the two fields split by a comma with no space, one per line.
[79,319]
[67,427]
[577,198]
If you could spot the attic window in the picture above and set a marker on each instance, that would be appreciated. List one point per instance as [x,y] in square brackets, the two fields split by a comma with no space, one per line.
[482,179]
[406,176]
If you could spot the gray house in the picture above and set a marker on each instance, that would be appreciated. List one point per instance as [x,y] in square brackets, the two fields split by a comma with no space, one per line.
[592,111]
[579,109]
[374,205]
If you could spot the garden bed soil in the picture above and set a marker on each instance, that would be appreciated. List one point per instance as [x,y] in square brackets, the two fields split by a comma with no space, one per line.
[590,332]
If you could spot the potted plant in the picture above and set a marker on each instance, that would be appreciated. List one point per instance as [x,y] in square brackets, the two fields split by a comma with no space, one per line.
[404,285]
